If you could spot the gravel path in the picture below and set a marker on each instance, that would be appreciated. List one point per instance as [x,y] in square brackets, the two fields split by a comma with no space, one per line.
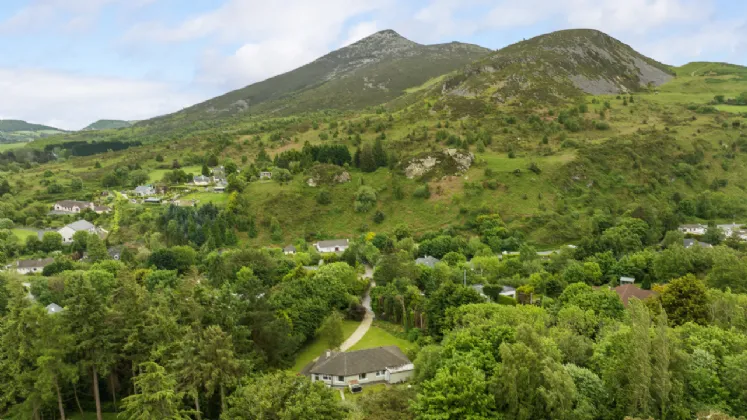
[367,320]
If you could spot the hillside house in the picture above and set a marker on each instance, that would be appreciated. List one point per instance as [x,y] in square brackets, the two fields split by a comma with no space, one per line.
[427,261]
[694,229]
[733,229]
[32,266]
[72,206]
[689,243]
[289,250]
[101,209]
[335,245]
[378,365]
[54,308]
[68,231]
[144,190]
[200,180]
[627,280]
[265,175]
[629,291]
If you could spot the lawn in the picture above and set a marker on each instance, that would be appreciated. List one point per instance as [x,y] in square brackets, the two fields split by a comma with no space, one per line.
[379,337]
[207,197]
[312,350]
[9,146]
[736,109]
[22,234]
[157,174]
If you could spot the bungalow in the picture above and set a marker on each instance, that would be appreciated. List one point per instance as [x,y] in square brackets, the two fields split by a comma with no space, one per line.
[72,206]
[265,175]
[733,229]
[101,209]
[144,190]
[68,231]
[427,261]
[289,250]
[689,243]
[335,245]
[694,229]
[628,291]
[378,365]
[32,266]
[200,180]
[627,280]
[152,200]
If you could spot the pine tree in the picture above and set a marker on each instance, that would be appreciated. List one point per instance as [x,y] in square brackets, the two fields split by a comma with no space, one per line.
[367,159]
[379,154]
[157,397]
[357,158]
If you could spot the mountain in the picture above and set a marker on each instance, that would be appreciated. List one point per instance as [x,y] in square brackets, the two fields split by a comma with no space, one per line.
[554,67]
[369,72]
[108,124]
[13,131]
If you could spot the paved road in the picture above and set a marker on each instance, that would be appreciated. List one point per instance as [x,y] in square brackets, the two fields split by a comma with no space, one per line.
[367,320]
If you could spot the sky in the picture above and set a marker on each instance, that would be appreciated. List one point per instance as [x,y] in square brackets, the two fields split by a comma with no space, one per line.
[67,63]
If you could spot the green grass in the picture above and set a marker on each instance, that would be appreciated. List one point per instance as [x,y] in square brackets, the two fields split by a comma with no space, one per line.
[367,389]
[379,337]
[736,109]
[156,175]
[312,350]
[10,146]
[207,197]
[22,234]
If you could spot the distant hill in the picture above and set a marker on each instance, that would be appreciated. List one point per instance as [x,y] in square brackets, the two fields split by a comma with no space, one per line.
[554,67]
[108,125]
[369,72]
[13,131]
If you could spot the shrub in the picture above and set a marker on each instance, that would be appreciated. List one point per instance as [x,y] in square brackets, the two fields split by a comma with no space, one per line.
[378,217]
[505,300]
[365,199]
[323,197]
[422,191]
[534,168]
[602,125]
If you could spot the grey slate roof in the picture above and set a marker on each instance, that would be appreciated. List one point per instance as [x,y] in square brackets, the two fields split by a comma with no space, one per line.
[357,362]
[73,203]
[332,243]
[687,243]
[35,263]
[427,261]
[81,225]
[289,248]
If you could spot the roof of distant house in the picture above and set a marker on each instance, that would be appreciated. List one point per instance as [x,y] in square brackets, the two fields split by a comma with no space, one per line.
[143,188]
[628,291]
[35,263]
[102,208]
[332,243]
[54,308]
[427,261]
[687,243]
[73,203]
[81,225]
[201,178]
[692,226]
[357,362]
[289,248]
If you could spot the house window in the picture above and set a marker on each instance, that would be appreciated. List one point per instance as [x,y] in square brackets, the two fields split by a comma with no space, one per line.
[341,378]
[362,376]
[316,377]
[380,373]
[327,377]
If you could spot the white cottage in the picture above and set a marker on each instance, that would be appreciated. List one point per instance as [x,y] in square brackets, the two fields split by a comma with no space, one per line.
[72,206]
[335,245]
[378,365]
[32,266]
[68,231]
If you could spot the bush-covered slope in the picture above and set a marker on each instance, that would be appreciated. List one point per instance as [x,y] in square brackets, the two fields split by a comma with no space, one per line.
[108,124]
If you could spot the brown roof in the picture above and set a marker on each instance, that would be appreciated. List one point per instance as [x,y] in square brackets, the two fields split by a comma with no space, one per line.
[632,291]
[357,362]
[35,263]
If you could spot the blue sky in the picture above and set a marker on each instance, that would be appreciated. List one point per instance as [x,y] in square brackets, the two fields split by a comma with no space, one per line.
[70,62]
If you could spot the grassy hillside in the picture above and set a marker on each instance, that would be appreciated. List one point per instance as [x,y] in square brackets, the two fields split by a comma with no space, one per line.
[14,131]
[108,125]
[366,73]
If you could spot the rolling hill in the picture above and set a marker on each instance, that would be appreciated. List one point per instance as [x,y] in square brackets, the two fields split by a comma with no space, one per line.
[14,131]
[108,124]
[554,67]
[369,72]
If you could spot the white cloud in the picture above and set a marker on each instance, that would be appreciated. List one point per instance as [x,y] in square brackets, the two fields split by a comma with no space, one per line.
[636,16]
[66,15]
[726,39]
[273,36]
[72,101]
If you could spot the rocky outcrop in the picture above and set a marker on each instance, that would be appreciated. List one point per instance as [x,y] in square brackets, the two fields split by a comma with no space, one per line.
[325,174]
[445,163]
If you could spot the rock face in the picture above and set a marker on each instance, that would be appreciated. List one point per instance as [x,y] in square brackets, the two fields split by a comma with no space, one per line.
[445,163]
[325,174]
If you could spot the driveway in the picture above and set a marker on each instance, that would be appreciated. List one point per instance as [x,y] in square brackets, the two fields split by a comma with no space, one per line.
[367,319]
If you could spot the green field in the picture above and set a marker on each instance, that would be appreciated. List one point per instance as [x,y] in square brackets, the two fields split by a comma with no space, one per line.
[10,146]
[312,350]
[156,175]
[379,337]
[735,109]
[22,234]
[207,197]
